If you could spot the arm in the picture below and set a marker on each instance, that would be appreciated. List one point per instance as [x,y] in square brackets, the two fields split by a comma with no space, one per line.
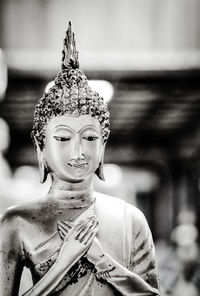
[125,281]
[140,276]
[11,257]
[74,247]
[142,259]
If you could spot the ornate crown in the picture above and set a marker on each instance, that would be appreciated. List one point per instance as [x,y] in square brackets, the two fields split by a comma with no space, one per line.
[70,95]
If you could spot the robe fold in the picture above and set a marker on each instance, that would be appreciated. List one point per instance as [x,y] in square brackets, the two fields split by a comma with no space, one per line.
[128,265]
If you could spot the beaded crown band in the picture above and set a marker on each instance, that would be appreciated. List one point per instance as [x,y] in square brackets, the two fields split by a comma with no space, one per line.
[70,95]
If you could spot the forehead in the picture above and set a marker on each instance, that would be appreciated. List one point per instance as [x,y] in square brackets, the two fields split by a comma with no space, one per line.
[75,123]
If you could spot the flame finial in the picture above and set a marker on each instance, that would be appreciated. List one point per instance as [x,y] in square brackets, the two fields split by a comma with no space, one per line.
[70,53]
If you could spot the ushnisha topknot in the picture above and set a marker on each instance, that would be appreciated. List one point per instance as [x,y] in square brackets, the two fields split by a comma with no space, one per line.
[70,95]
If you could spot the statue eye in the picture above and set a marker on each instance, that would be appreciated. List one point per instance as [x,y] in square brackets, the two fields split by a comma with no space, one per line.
[90,138]
[61,139]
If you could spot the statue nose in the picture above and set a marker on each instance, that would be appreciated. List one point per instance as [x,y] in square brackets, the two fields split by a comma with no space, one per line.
[80,159]
[77,152]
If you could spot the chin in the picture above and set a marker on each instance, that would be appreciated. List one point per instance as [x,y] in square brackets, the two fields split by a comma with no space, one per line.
[75,178]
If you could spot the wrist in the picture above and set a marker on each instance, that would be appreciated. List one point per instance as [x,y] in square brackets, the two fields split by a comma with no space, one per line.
[103,263]
[95,260]
[61,266]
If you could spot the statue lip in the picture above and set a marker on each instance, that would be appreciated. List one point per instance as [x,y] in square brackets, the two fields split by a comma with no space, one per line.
[81,165]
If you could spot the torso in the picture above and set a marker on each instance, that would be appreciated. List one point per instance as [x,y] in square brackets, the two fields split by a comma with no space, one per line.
[41,241]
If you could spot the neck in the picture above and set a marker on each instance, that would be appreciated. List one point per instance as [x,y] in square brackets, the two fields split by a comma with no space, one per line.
[78,194]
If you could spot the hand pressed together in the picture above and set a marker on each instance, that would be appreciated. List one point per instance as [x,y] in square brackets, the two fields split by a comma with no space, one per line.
[77,241]
[86,234]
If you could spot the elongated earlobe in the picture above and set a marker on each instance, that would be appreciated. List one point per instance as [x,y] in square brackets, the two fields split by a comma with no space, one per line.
[42,164]
[99,170]
[43,171]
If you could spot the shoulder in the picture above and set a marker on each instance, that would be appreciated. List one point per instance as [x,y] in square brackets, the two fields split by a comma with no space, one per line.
[13,216]
[114,205]
[110,206]
[108,200]
[111,202]
[136,216]
[12,228]
[138,227]
[10,243]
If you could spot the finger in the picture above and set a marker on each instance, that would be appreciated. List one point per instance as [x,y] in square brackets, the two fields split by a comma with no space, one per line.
[93,232]
[86,234]
[76,230]
[89,239]
[63,228]
[62,235]
[68,224]
[91,223]
[87,227]
[84,227]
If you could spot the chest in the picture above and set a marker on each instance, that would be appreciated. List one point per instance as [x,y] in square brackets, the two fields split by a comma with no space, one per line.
[42,240]
[42,254]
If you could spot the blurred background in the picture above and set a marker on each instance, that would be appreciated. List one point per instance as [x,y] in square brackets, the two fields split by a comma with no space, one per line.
[144,58]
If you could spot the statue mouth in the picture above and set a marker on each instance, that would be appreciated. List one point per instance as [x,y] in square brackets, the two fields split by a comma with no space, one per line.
[78,166]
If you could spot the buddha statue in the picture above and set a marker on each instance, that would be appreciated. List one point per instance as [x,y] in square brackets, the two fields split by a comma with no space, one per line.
[75,241]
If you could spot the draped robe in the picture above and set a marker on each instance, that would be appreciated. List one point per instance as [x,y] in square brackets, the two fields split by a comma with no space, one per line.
[128,266]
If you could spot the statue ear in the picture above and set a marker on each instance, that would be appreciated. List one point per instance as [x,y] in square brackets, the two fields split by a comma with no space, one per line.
[99,170]
[42,164]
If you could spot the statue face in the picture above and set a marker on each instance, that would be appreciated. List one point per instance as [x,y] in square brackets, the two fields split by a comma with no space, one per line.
[73,147]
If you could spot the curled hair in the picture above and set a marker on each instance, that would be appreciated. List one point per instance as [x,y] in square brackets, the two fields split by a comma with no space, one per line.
[70,95]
